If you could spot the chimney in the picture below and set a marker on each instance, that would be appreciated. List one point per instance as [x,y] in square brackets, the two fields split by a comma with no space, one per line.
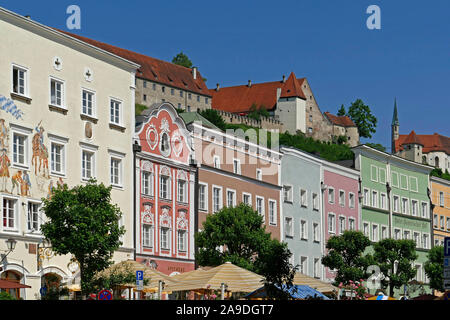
[284,78]
[194,72]
[217,87]
[249,83]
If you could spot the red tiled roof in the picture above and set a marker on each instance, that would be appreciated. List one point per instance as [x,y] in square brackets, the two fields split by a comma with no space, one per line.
[342,121]
[154,69]
[430,142]
[240,98]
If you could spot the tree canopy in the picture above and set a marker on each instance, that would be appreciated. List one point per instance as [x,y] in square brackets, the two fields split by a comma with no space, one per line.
[83,222]
[363,118]
[434,268]
[182,60]
[237,234]
[395,259]
[345,255]
[214,117]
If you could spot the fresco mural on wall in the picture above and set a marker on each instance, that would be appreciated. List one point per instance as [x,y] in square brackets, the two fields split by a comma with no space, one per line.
[9,106]
[40,152]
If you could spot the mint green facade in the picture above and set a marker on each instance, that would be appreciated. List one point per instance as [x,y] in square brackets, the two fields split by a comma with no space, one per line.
[403,212]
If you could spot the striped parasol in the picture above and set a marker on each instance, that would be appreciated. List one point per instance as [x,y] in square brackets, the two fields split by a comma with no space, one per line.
[381,297]
[236,279]
[321,286]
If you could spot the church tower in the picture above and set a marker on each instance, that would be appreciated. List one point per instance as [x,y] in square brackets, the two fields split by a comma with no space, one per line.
[395,128]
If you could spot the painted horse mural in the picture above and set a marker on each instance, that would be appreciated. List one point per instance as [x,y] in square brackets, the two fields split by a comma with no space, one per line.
[40,151]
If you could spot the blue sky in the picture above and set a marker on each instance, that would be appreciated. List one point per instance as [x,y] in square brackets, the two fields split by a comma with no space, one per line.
[326,41]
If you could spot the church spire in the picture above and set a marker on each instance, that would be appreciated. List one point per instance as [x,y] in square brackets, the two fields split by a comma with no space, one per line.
[395,117]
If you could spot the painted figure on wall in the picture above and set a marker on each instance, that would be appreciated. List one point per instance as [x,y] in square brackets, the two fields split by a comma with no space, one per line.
[40,151]
[50,190]
[4,168]
[17,181]
[26,184]
[3,135]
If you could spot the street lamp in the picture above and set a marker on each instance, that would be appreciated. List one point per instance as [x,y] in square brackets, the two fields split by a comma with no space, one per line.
[11,245]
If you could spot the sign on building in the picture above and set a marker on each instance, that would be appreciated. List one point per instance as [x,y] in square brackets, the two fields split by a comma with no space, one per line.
[139,280]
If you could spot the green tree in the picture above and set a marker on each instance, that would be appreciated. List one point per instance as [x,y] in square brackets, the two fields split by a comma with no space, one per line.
[238,235]
[363,118]
[182,60]
[214,117]
[434,268]
[341,111]
[345,254]
[395,259]
[256,113]
[83,222]
[377,146]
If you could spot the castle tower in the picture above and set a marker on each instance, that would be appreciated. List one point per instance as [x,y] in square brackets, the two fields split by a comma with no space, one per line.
[395,128]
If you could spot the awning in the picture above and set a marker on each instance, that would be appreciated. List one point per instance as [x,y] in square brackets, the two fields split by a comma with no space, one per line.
[295,292]
[381,297]
[304,280]
[5,284]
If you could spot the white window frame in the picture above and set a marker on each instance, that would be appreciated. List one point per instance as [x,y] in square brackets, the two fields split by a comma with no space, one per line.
[426,211]
[351,224]
[414,208]
[315,201]
[205,208]
[291,229]
[120,103]
[62,142]
[329,195]
[94,103]
[63,92]
[400,234]
[249,197]
[411,184]
[303,229]
[216,161]
[342,198]
[351,200]
[366,233]
[317,268]
[24,132]
[398,179]
[258,174]
[407,181]
[366,201]
[343,227]
[151,183]
[233,199]
[383,204]
[39,220]
[168,186]
[169,236]
[332,218]
[16,217]
[182,245]
[376,173]
[380,175]
[273,216]
[303,265]
[441,199]
[263,211]
[151,234]
[236,166]
[396,207]
[375,238]
[374,203]
[116,156]
[220,203]
[290,194]
[184,192]
[405,210]
[26,80]
[304,198]
[384,233]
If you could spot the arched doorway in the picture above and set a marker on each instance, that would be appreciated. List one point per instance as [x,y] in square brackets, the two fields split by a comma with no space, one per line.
[14,277]
[436,162]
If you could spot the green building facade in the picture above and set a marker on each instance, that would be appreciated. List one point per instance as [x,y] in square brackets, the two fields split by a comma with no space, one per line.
[395,204]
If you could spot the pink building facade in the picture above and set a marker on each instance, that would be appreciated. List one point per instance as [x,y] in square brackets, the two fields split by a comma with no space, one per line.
[340,203]
[164,192]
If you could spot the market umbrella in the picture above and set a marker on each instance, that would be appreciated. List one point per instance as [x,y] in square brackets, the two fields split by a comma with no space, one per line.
[133,266]
[236,279]
[321,286]
[381,297]
[5,284]
[301,292]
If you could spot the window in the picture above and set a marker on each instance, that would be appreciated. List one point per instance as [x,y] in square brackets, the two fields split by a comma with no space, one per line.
[303,230]
[384,232]
[165,238]
[172,91]
[181,93]
[287,193]
[288,227]
[202,194]
[56,93]
[115,112]
[331,223]
[147,235]
[315,199]
[396,204]
[260,206]
[303,198]
[351,200]
[418,276]
[341,198]
[316,268]
[316,234]
[435,220]
[189,96]
[163,89]
[87,164]
[231,198]
[397,234]
[403,181]
[9,214]
[216,161]
[247,199]
[441,222]
[198,98]
[394,179]
[57,158]
[303,268]
[441,199]
[154,86]
[88,103]
[145,84]
[405,208]
[236,166]
[33,216]
[374,173]
[20,81]
[116,171]
[147,183]
[425,239]
[330,195]
[258,174]
[382,176]
[351,224]
[366,230]
[374,199]
[414,207]
[375,233]
[413,184]
[20,148]
[217,199]
[417,239]
[341,225]
[310,130]
[182,191]
[206,100]
[164,187]
[383,203]
[272,212]
[424,210]
[448,223]
[182,240]
[366,197]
